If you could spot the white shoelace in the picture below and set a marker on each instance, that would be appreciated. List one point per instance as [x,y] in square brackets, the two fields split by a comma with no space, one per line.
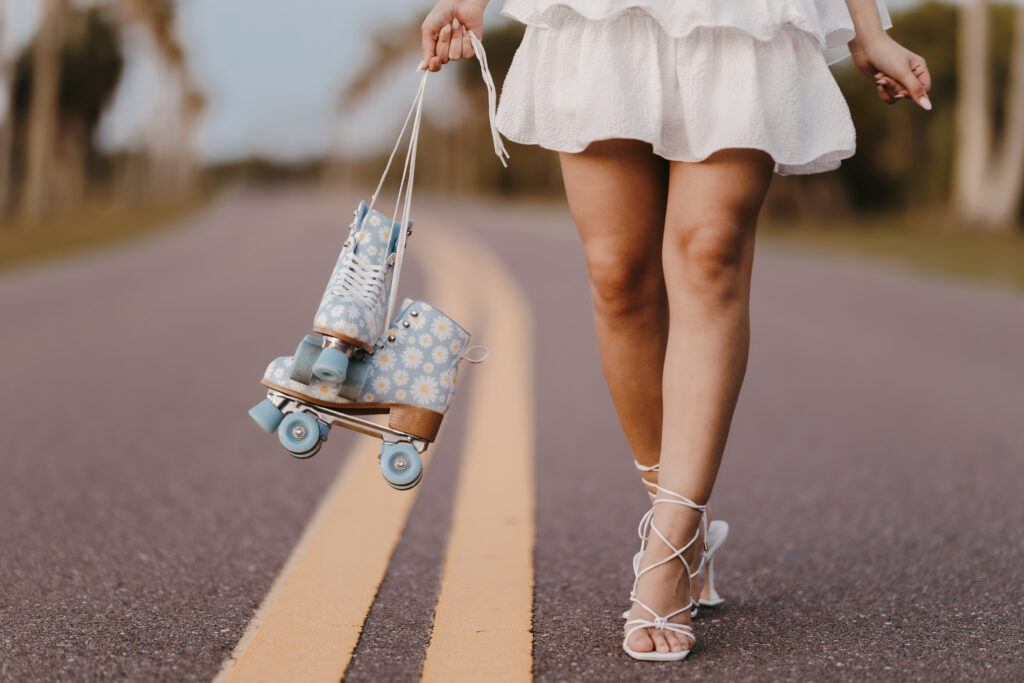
[362,281]
[492,99]
[409,170]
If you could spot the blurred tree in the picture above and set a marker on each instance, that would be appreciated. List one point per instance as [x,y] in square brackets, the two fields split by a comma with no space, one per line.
[6,119]
[85,64]
[989,176]
[43,112]
[171,167]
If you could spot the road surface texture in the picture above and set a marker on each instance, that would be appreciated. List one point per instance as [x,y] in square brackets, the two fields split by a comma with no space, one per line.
[872,480]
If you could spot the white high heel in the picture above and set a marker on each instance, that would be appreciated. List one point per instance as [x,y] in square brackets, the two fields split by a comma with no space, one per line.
[715,534]
[658,621]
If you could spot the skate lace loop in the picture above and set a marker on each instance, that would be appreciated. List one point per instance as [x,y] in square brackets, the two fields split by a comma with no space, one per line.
[362,281]
[486,354]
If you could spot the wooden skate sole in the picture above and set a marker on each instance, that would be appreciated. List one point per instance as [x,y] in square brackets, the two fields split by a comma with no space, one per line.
[423,423]
[348,340]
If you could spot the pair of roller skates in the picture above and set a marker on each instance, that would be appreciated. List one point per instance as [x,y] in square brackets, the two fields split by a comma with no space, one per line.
[356,365]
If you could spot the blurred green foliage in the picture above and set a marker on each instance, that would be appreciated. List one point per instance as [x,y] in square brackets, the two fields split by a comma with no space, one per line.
[904,154]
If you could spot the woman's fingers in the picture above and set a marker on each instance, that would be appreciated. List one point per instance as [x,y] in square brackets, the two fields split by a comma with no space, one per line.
[891,87]
[916,89]
[430,30]
[458,40]
[920,69]
[444,40]
[884,95]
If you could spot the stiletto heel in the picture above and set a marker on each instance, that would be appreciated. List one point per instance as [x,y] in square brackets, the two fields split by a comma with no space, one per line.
[718,530]
[658,621]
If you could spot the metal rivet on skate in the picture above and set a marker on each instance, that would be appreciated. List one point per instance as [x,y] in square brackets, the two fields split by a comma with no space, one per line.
[299,432]
[391,338]
[401,463]
[405,323]
[414,314]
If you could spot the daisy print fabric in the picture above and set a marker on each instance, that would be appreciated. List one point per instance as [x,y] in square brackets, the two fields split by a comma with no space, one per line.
[405,368]
[343,310]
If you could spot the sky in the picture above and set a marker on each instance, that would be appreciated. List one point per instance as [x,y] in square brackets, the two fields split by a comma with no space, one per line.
[272,73]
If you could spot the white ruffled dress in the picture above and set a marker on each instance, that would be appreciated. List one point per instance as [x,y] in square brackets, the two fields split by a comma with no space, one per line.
[690,77]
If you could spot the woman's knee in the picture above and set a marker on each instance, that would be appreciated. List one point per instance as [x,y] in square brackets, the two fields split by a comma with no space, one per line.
[710,256]
[625,286]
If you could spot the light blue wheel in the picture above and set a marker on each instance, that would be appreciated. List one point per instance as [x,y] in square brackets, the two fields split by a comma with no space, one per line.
[331,365]
[300,434]
[401,465]
[266,415]
[355,379]
[305,355]
[306,456]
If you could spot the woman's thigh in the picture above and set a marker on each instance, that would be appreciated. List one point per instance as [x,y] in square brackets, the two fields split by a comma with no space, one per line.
[712,212]
[617,192]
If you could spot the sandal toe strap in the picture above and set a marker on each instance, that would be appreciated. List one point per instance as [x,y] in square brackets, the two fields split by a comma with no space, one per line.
[660,623]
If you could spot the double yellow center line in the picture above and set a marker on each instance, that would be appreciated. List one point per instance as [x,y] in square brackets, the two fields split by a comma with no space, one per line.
[309,623]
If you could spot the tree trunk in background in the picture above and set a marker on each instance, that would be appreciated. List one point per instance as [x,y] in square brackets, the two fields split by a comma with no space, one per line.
[6,134]
[989,174]
[43,114]
[6,125]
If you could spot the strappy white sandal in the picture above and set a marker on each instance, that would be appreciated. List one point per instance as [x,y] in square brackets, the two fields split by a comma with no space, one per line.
[715,534]
[661,622]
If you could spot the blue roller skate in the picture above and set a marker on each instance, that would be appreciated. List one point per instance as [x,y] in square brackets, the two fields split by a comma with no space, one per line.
[352,312]
[410,377]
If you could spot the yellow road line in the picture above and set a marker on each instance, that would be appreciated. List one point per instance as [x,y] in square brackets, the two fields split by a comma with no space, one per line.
[311,620]
[482,625]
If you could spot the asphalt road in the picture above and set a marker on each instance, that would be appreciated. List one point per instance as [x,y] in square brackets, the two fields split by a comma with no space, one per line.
[873,478]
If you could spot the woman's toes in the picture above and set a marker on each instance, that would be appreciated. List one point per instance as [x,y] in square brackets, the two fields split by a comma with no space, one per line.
[660,643]
[640,641]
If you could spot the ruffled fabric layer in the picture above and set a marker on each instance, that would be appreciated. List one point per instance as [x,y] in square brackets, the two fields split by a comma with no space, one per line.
[689,95]
[827,21]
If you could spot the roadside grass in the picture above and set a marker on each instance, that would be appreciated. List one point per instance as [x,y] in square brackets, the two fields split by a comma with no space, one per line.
[90,226]
[989,257]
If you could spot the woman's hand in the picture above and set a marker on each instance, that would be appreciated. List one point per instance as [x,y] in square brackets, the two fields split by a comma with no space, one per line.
[446,31]
[897,72]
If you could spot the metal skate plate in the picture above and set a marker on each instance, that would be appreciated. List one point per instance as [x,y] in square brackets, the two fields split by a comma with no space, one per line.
[289,404]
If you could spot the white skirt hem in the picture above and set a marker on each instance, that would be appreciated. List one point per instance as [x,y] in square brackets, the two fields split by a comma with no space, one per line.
[688,97]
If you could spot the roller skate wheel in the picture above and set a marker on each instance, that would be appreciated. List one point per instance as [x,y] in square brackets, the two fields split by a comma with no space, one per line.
[331,365]
[401,465]
[266,415]
[305,356]
[356,374]
[300,434]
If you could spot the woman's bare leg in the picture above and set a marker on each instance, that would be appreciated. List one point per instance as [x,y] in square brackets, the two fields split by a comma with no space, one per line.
[617,191]
[708,254]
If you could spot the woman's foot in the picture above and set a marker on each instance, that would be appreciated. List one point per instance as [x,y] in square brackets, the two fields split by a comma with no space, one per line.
[662,592]
[700,590]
